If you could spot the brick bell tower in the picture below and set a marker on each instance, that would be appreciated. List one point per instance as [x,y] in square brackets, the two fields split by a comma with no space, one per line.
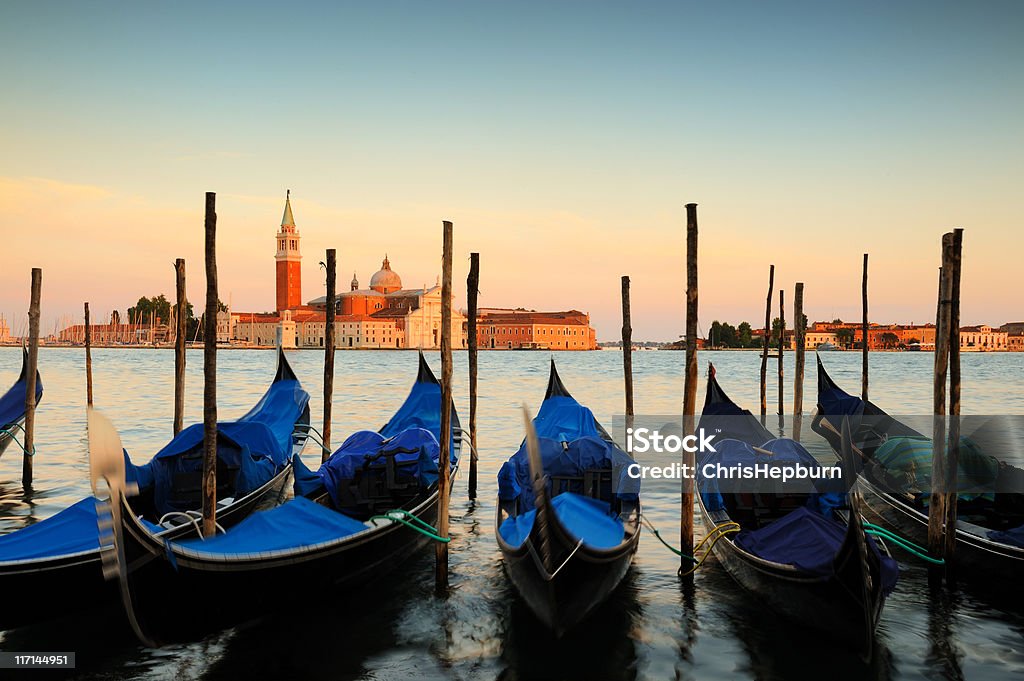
[289,261]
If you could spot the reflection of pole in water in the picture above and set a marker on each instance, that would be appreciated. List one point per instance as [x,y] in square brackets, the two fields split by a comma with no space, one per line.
[943,653]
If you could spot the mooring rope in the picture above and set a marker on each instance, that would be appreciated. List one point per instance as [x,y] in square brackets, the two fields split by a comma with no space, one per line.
[713,536]
[904,543]
[11,434]
[308,434]
[398,515]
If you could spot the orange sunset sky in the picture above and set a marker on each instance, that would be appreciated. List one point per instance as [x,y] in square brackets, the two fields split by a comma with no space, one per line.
[562,140]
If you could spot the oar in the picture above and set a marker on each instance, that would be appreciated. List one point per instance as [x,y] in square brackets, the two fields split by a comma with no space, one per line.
[847,441]
[106,463]
[540,492]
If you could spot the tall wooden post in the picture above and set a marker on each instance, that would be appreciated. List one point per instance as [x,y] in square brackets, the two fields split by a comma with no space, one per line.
[180,332]
[472,290]
[210,373]
[690,385]
[799,331]
[953,455]
[782,344]
[444,470]
[936,507]
[332,267]
[627,351]
[767,337]
[88,358]
[864,330]
[30,380]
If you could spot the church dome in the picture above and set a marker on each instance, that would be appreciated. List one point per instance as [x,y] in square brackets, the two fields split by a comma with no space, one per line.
[384,280]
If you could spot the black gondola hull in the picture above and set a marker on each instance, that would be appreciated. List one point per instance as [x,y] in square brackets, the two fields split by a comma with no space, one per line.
[583,578]
[188,596]
[826,603]
[41,589]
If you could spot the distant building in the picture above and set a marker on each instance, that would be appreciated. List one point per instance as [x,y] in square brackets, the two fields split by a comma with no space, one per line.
[5,331]
[982,338]
[519,329]
[288,261]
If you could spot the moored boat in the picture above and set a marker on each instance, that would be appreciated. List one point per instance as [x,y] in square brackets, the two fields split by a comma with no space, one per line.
[567,548]
[794,549]
[12,405]
[896,477]
[368,508]
[55,566]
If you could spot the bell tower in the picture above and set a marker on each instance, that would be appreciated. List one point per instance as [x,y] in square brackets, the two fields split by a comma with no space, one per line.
[289,260]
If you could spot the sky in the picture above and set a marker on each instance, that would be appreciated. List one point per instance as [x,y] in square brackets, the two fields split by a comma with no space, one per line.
[562,139]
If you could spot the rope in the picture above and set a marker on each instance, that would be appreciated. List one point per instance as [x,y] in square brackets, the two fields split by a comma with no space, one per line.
[713,536]
[540,564]
[11,434]
[311,429]
[907,545]
[398,515]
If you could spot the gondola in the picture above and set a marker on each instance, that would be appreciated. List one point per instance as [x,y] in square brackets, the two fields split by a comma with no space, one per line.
[54,567]
[990,529]
[567,549]
[369,507]
[794,549]
[12,405]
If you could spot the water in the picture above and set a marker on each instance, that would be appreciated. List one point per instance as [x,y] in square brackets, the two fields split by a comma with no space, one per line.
[654,628]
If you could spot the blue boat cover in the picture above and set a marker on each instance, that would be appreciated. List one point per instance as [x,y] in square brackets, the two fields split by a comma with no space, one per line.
[12,402]
[566,459]
[258,446]
[1014,537]
[295,524]
[73,530]
[564,419]
[416,453]
[421,409]
[585,518]
[824,494]
[911,458]
[809,542]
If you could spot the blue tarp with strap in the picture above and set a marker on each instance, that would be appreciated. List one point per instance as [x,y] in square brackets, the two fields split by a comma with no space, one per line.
[586,519]
[809,542]
[258,446]
[73,530]
[295,524]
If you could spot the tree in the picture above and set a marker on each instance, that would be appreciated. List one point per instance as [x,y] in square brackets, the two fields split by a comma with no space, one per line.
[845,337]
[745,335]
[889,339]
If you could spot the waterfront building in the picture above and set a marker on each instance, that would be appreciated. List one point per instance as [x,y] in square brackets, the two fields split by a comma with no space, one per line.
[982,338]
[528,329]
[5,330]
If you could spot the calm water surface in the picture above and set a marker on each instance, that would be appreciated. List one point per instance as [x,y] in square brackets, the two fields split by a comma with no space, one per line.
[653,629]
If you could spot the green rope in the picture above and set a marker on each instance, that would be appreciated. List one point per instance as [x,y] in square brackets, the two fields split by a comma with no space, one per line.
[668,546]
[398,515]
[11,434]
[905,544]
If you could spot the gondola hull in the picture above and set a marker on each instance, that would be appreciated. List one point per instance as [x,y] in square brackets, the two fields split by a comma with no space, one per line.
[975,556]
[825,603]
[178,595]
[580,579]
[35,590]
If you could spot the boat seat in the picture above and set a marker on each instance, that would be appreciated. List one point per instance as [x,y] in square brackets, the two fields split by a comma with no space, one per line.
[379,485]
[595,483]
[187,487]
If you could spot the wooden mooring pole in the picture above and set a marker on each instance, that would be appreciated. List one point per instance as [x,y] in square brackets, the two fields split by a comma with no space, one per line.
[953,455]
[30,379]
[864,331]
[444,470]
[180,333]
[88,358]
[798,375]
[936,506]
[782,344]
[332,269]
[627,351]
[210,373]
[472,291]
[689,387]
[767,337]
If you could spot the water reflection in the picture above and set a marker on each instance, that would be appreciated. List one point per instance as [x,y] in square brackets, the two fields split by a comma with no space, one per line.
[600,648]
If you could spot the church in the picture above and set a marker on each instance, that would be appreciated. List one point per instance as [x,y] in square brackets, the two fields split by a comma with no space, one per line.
[382,316]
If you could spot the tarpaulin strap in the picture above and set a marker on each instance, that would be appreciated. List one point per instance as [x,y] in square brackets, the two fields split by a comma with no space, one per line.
[13,436]
[714,535]
[309,436]
[398,515]
[540,565]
